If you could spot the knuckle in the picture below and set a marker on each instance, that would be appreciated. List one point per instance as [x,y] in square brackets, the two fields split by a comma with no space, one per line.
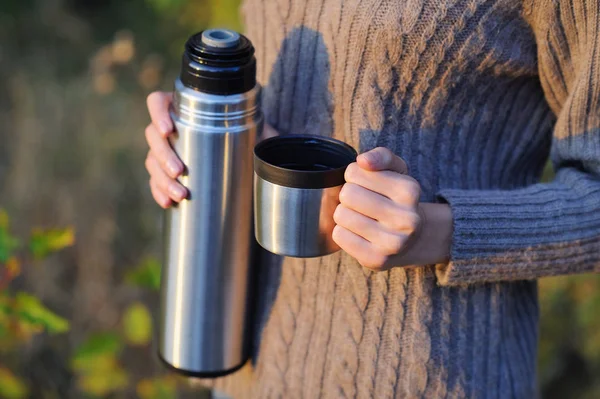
[384,154]
[159,198]
[351,172]
[147,162]
[411,192]
[161,183]
[375,262]
[345,193]
[337,214]
[384,151]
[376,156]
[148,132]
[336,235]
[163,202]
[393,243]
[405,222]
[412,223]
[150,98]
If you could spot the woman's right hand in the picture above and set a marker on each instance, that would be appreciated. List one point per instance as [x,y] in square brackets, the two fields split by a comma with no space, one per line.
[162,163]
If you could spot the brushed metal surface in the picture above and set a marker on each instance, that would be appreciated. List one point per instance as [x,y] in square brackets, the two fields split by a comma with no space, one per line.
[294,221]
[208,237]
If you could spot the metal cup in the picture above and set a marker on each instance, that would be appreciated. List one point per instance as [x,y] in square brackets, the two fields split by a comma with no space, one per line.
[297,181]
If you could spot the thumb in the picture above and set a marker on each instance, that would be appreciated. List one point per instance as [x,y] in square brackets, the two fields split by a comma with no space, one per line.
[381,158]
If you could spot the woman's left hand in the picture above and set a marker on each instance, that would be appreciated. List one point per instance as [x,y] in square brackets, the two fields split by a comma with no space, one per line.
[379,220]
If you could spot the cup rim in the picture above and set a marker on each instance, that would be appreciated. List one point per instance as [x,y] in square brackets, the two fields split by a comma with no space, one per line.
[307,179]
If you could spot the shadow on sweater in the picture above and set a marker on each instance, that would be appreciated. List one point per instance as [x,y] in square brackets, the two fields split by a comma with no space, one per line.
[304,56]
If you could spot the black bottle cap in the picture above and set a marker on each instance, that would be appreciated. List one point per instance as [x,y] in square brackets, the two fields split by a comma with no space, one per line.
[219,61]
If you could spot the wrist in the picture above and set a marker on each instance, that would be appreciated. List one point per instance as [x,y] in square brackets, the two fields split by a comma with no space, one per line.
[431,243]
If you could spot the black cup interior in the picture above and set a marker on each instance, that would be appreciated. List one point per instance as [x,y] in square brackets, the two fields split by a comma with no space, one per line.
[303,161]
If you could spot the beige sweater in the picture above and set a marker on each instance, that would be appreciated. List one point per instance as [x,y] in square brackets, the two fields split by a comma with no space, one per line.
[474,95]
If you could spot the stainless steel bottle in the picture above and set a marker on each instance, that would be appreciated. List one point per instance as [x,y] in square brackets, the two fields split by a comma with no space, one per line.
[204,323]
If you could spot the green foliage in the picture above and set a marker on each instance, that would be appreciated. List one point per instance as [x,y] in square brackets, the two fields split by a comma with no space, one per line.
[11,387]
[97,360]
[103,58]
[32,315]
[87,45]
[101,376]
[146,275]
[44,242]
[8,243]
[166,5]
[97,344]
[137,324]
[97,365]
[569,348]
[22,315]
[157,388]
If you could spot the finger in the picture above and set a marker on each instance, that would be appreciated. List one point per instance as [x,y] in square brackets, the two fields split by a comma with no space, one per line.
[168,186]
[161,198]
[359,248]
[367,202]
[381,158]
[386,241]
[394,217]
[401,189]
[158,104]
[162,151]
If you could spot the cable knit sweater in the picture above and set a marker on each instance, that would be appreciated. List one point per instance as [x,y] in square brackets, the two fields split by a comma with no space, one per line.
[475,95]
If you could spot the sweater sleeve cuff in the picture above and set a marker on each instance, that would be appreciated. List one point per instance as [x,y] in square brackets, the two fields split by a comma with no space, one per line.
[518,235]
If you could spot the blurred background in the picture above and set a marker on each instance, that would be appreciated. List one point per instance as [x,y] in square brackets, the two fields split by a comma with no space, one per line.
[79,233]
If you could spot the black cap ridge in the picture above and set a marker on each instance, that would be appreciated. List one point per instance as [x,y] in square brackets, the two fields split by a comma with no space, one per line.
[219,61]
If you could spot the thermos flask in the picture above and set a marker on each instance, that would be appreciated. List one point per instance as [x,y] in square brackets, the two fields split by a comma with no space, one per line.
[205,285]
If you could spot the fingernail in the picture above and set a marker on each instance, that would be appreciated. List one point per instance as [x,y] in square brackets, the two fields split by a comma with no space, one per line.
[177,191]
[165,127]
[173,167]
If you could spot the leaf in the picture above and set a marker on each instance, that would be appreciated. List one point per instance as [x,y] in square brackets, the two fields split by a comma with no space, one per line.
[3,328]
[5,334]
[4,219]
[157,388]
[13,267]
[96,365]
[44,242]
[96,346]
[11,387]
[137,324]
[166,5]
[146,275]
[8,243]
[102,376]
[29,310]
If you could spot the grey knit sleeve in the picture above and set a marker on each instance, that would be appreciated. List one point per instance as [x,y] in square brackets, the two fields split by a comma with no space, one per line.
[547,228]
